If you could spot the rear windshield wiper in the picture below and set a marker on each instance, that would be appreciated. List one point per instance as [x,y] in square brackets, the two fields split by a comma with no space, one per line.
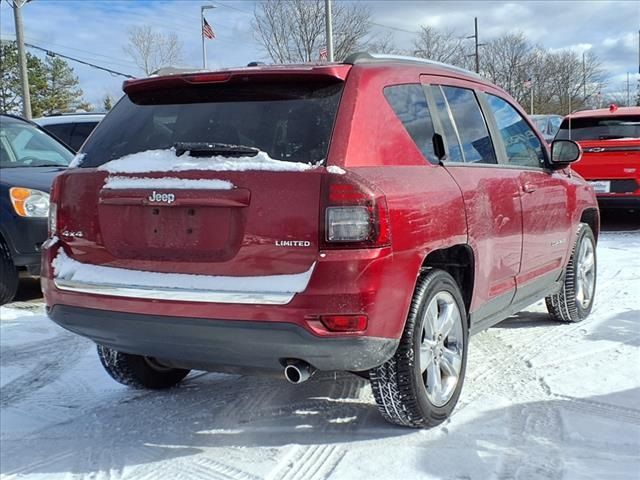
[203,149]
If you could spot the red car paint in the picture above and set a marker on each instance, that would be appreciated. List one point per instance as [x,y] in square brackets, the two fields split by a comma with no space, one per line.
[517,225]
[612,164]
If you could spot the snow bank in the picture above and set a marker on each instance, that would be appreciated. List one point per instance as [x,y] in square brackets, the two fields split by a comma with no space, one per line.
[66,268]
[117,183]
[167,161]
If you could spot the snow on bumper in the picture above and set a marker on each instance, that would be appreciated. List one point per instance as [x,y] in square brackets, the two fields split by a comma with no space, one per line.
[75,276]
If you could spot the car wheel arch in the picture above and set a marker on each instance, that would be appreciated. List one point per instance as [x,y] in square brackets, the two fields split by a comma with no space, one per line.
[457,260]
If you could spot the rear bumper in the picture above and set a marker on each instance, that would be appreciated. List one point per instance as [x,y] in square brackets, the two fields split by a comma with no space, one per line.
[619,202]
[222,345]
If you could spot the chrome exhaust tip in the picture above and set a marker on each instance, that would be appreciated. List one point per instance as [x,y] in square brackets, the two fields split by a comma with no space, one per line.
[297,371]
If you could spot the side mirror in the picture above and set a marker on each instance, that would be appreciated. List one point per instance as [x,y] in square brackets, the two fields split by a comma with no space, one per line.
[564,152]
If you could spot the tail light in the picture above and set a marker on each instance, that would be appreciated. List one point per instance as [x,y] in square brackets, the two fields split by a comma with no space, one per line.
[53,207]
[353,215]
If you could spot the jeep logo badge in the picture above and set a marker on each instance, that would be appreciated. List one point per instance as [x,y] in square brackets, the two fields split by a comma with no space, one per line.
[162,197]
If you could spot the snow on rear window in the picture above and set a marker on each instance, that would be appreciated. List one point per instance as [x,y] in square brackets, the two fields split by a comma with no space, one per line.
[66,268]
[167,161]
[118,183]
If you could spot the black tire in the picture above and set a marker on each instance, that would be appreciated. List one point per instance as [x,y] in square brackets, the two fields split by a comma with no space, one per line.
[566,306]
[138,371]
[8,275]
[398,385]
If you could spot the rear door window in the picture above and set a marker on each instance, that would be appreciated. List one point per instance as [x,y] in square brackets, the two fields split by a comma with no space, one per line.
[454,150]
[477,146]
[290,121]
[410,106]
[522,145]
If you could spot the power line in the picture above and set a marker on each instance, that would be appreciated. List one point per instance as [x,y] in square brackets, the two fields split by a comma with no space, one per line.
[56,54]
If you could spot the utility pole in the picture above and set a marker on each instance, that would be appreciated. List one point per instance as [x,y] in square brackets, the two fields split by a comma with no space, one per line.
[22,58]
[477,44]
[329,29]
[204,48]
[628,91]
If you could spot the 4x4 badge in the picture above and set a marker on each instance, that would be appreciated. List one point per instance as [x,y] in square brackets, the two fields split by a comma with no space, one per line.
[162,197]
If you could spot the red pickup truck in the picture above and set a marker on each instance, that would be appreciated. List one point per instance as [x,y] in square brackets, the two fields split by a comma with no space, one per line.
[362,216]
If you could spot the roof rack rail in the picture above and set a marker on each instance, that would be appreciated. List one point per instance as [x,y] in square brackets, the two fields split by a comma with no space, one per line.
[358,58]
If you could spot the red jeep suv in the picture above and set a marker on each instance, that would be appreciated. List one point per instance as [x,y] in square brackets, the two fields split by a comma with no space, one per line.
[363,216]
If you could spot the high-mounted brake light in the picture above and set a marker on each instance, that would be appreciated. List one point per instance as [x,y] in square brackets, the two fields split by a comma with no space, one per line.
[208,78]
[353,214]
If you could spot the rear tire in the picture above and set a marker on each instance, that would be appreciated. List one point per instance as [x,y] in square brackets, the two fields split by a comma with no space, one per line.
[8,275]
[574,301]
[138,371]
[420,385]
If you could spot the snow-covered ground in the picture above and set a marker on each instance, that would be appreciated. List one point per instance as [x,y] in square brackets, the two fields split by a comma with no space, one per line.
[541,400]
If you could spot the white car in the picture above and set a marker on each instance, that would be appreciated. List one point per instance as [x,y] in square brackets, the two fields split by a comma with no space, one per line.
[72,129]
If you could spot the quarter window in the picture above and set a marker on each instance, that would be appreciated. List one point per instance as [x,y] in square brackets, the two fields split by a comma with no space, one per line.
[410,106]
[522,145]
[472,129]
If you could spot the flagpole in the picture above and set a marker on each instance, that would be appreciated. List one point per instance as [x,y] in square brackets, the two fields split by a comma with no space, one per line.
[204,47]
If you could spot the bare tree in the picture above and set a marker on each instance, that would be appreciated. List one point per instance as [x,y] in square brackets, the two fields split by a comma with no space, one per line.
[152,50]
[558,80]
[441,46]
[294,30]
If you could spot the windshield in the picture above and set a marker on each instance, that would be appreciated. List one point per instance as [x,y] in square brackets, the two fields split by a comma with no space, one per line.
[23,145]
[288,121]
[603,128]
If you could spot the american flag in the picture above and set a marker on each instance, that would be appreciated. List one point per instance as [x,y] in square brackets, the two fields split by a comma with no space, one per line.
[207,31]
[323,53]
[527,83]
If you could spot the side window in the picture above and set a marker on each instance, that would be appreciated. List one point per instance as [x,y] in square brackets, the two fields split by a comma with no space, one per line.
[410,106]
[522,145]
[61,131]
[80,134]
[477,146]
[450,134]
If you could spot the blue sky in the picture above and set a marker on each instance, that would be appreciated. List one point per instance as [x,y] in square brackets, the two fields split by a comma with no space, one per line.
[96,31]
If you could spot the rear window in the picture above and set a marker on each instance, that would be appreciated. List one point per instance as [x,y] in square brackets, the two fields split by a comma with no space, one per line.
[289,121]
[600,128]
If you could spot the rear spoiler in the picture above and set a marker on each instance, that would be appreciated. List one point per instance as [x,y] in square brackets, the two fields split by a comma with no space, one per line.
[335,72]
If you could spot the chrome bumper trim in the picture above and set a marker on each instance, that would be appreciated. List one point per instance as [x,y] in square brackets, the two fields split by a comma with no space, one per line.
[175,294]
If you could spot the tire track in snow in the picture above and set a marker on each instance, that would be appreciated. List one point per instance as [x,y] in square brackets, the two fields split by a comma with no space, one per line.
[49,367]
[315,462]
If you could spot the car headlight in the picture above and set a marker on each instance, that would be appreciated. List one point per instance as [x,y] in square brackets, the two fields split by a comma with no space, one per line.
[29,203]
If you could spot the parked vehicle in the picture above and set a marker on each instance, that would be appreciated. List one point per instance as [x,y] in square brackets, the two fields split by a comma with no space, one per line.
[29,160]
[548,125]
[610,140]
[411,205]
[71,128]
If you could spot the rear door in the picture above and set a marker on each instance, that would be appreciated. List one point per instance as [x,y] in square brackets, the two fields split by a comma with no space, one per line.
[141,203]
[490,193]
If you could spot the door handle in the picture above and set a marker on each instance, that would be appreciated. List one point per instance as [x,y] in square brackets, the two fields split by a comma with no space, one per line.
[528,188]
